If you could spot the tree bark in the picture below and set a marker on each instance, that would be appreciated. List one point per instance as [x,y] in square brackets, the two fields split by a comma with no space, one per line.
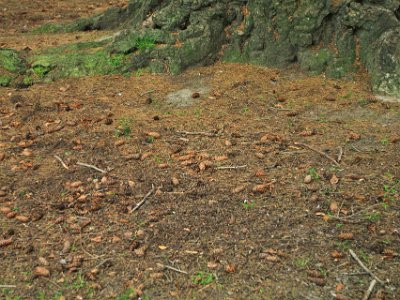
[335,37]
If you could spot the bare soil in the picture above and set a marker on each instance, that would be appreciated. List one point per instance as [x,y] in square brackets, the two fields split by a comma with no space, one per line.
[256,189]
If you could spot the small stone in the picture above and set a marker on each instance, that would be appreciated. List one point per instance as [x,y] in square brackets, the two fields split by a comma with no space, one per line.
[119,143]
[175,181]
[212,265]
[228,143]
[260,155]
[154,134]
[140,233]
[307,179]
[26,152]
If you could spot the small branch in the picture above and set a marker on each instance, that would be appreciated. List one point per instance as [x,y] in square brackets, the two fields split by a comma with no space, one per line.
[102,263]
[370,289]
[61,161]
[231,167]
[7,286]
[144,199]
[319,152]
[147,92]
[364,267]
[175,269]
[210,134]
[91,167]
[340,155]
[278,109]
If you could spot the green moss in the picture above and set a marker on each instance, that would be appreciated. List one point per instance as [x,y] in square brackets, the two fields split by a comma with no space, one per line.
[232,54]
[117,60]
[79,25]
[10,61]
[27,81]
[74,47]
[145,43]
[315,62]
[5,80]
[77,64]
[41,70]
[49,28]
[340,67]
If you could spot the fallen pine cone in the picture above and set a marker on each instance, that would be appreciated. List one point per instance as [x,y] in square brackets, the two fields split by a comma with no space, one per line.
[41,272]
[6,242]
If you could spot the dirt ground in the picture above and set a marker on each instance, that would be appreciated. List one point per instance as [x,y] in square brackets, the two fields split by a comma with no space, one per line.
[257,185]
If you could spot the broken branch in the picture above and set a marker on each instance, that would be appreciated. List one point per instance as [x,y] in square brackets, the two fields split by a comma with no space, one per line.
[319,152]
[370,289]
[211,134]
[144,199]
[231,167]
[340,154]
[354,255]
[147,92]
[61,161]
[175,269]
[91,167]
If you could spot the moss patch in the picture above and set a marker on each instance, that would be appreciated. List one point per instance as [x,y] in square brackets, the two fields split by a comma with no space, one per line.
[5,80]
[10,61]
[315,62]
[76,64]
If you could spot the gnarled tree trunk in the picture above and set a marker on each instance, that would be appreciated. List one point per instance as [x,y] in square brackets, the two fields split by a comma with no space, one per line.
[332,36]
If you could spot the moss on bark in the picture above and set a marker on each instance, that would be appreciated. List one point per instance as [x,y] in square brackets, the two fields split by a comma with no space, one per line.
[171,35]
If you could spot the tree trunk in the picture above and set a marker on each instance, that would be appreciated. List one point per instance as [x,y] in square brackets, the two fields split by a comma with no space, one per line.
[337,37]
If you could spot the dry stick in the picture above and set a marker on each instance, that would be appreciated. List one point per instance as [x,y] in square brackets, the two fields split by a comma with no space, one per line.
[197,133]
[370,289]
[7,286]
[91,166]
[144,199]
[319,152]
[358,212]
[231,167]
[147,92]
[175,269]
[364,267]
[340,154]
[61,161]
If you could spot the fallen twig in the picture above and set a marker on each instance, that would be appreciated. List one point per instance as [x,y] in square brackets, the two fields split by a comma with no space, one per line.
[102,263]
[319,152]
[356,213]
[278,109]
[7,286]
[370,289]
[231,167]
[354,255]
[211,134]
[91,166]
[61,161]
[144,199]
[147,92]
[173,269]
[340,155]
